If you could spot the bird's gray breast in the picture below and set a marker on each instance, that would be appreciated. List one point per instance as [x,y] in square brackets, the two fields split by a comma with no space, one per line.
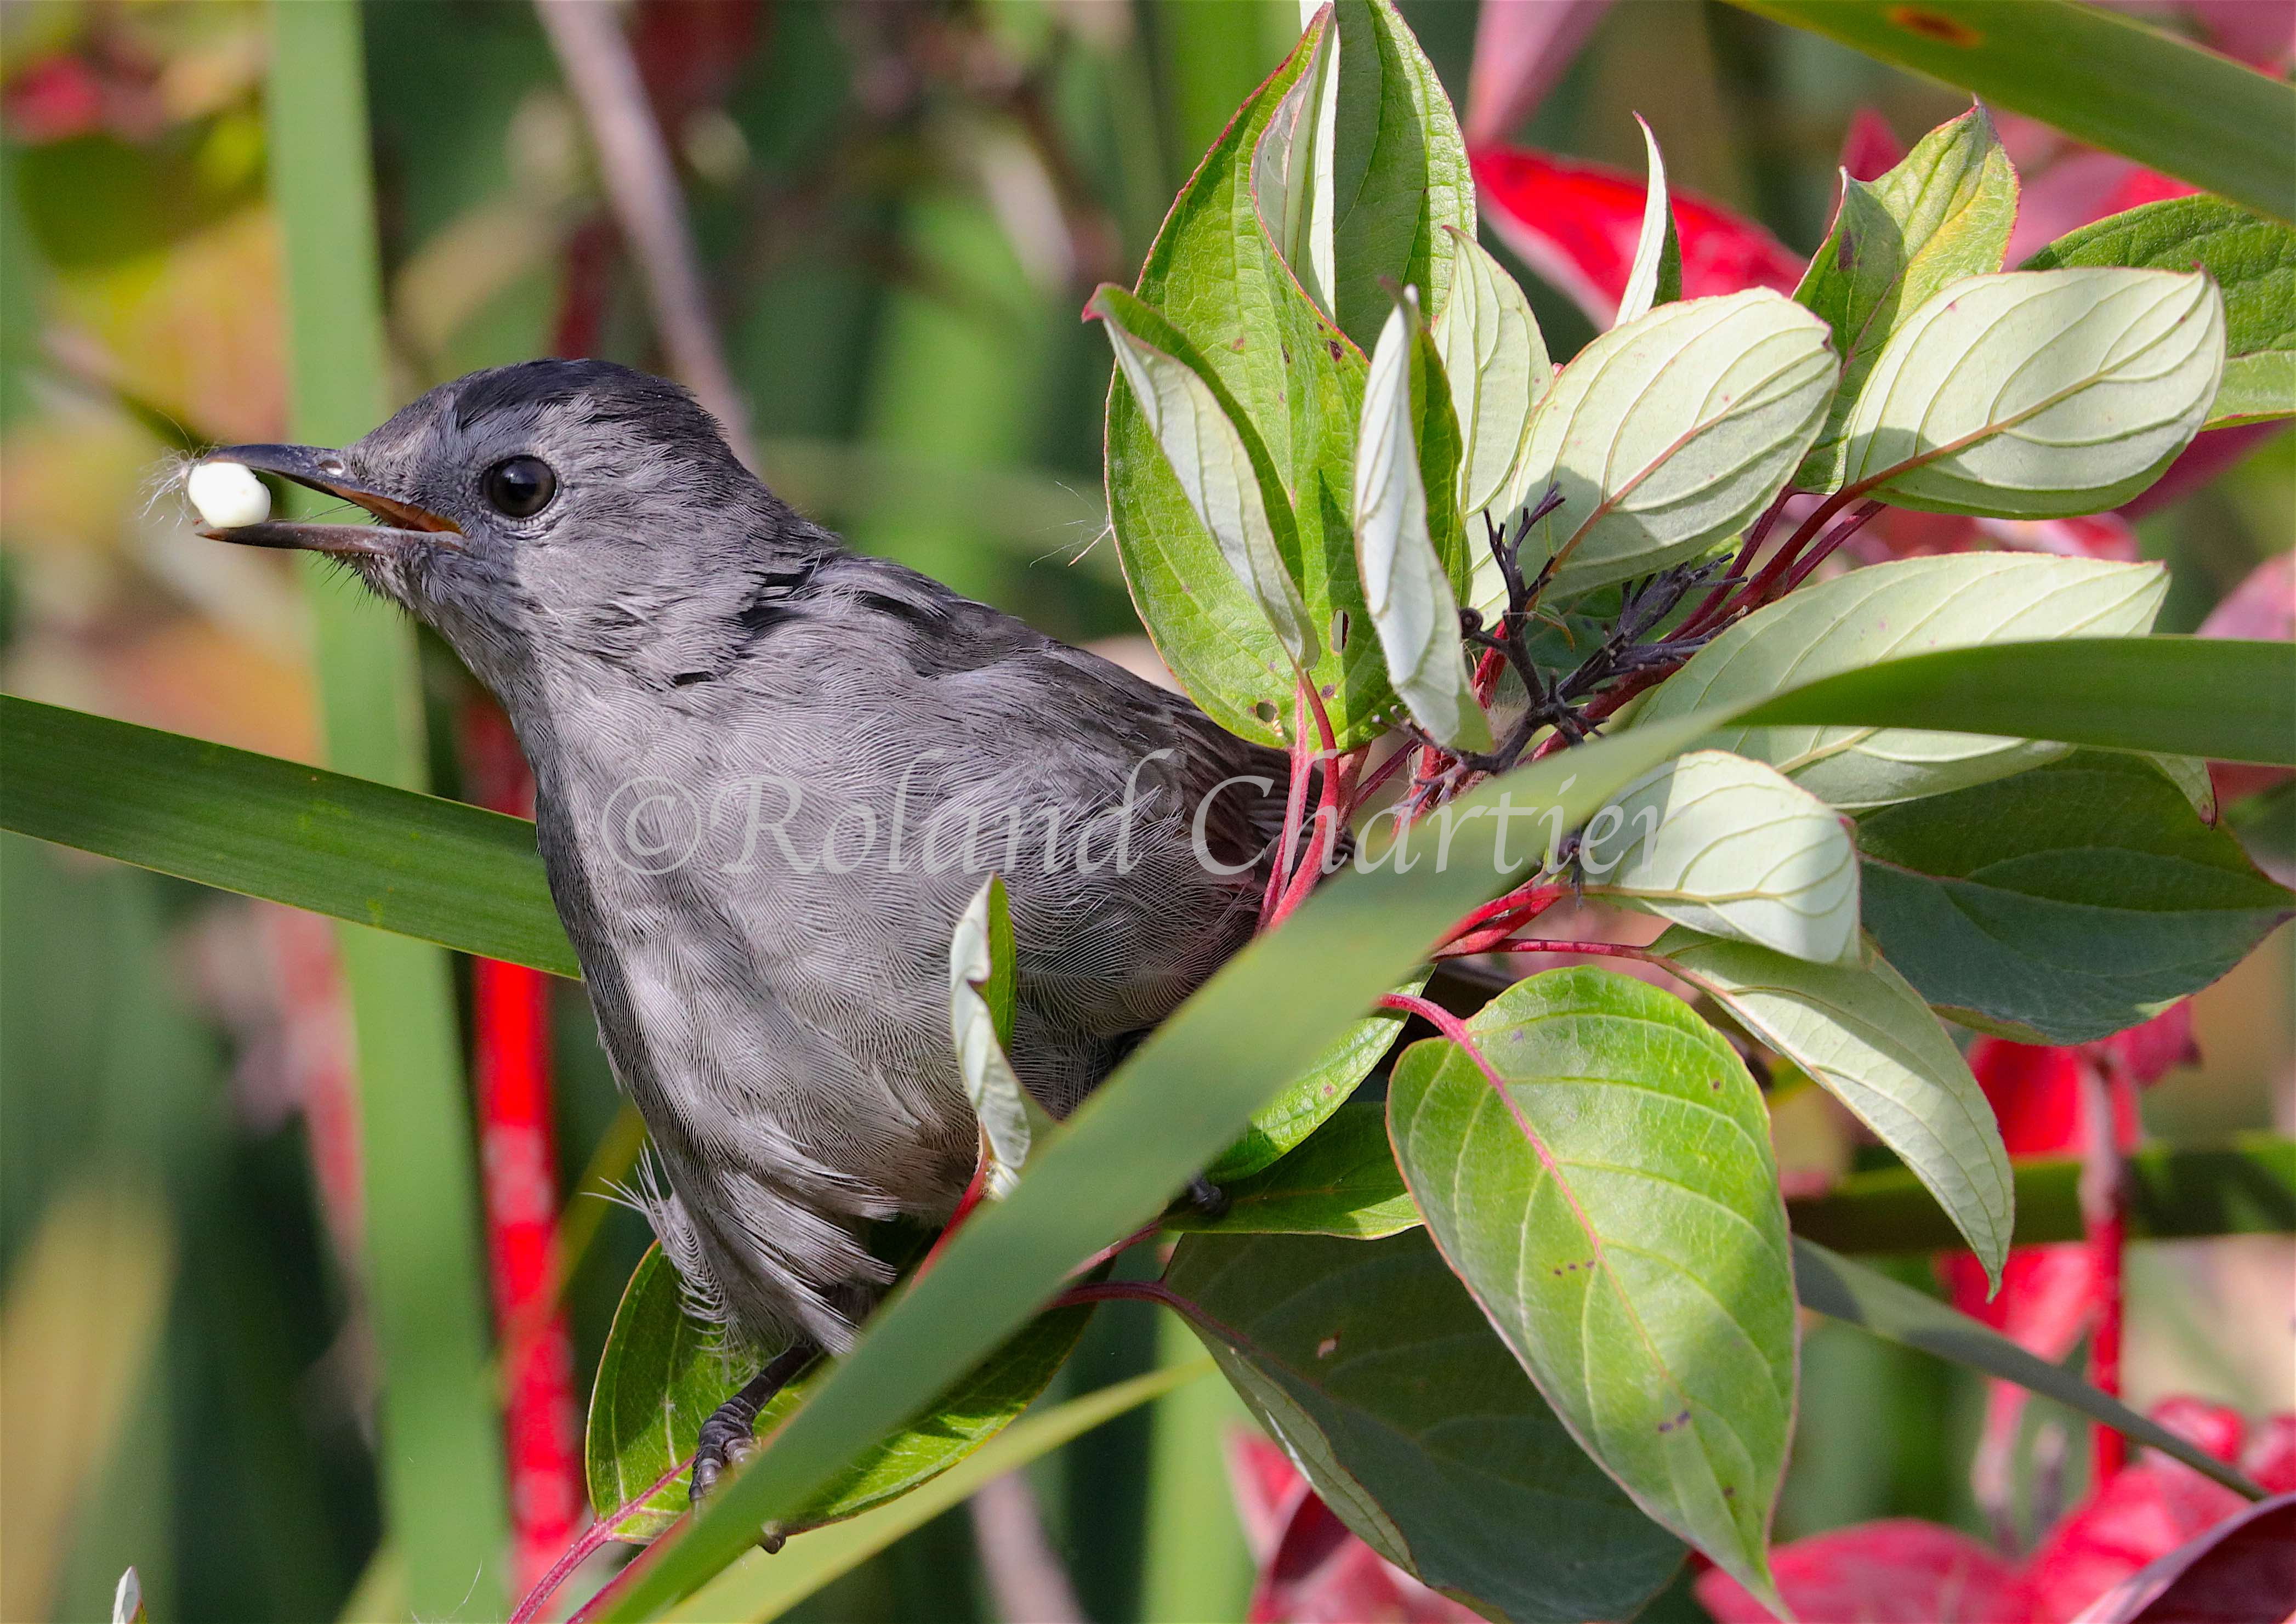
[762,1011]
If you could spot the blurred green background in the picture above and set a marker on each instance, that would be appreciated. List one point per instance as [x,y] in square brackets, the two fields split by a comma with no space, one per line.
[901,208]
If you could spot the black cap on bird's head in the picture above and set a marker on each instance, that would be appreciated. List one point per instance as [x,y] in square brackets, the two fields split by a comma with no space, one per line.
[573,502]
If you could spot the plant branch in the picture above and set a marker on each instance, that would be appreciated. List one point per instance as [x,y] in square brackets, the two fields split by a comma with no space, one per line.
[642,188]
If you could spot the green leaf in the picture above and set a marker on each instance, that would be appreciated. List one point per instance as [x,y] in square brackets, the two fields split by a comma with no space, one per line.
[981,1025]
[1942,214]
[1495,360]
[1339,1181]
[1216,456]
[663,1371]
[1902,607]
[2254,264]
[2108,79]
[1291,167]
[1667,434]
[1381,1378]
[765,1585]
[1214,273]
[1315,1093]
[1867,1038]
[1729,847]
[413,865]
[1616,1212]
[2038,394]
[1400,171]
[2065,904]
[1835,1286]
[1407,583]
[1655,276]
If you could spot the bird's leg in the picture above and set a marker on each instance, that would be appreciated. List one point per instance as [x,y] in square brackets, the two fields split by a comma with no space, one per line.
[728,1436]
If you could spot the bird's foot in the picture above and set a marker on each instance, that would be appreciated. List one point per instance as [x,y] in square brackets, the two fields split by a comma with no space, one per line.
[729,1437]
[726,1442]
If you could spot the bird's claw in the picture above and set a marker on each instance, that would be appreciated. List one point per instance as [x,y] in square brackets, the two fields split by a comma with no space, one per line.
[725,1443]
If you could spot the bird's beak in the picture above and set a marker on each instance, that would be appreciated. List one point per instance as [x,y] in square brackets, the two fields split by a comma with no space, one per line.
[403,523]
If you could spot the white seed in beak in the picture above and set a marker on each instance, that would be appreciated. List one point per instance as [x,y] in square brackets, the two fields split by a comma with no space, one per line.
[228,495]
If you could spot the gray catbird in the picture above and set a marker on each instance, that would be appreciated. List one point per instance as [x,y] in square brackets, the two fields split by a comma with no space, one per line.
[769,774]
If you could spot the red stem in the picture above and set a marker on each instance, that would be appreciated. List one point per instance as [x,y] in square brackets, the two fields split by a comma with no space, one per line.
[965,1203]
[1602,950]
[1295,802]
[1534,897]
[597,1534]
[510,1007]
[1149,1290]
[1712,606]
[1759,589]
[1825,549]
[1339,776]
[1377,777]
[621,1584]
[1123,1291]
[1106,1253]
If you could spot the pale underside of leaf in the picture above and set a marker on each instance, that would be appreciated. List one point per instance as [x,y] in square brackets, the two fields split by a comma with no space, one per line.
[997,1100]
[1615,1210]
[1215,469]
[1732,848]
[1864,1034]
[1291,169]
[2253,261]
[2038,394]
[1494,359]
[1905,607]
[1667,435]
[1655,276]
[1942,214]
[1406,586]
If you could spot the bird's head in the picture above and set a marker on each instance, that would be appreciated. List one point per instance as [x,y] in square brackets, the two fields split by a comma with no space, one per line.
[573,506]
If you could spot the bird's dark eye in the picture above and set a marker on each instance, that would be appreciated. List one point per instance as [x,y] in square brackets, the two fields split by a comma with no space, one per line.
[521,487]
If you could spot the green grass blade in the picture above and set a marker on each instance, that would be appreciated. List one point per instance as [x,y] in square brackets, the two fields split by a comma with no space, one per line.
[2106,79]
[2197,696]
[1842,1290]
[1193,1563]
[440,1423]
[762,1586]
[348,848]
[2245,1186]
